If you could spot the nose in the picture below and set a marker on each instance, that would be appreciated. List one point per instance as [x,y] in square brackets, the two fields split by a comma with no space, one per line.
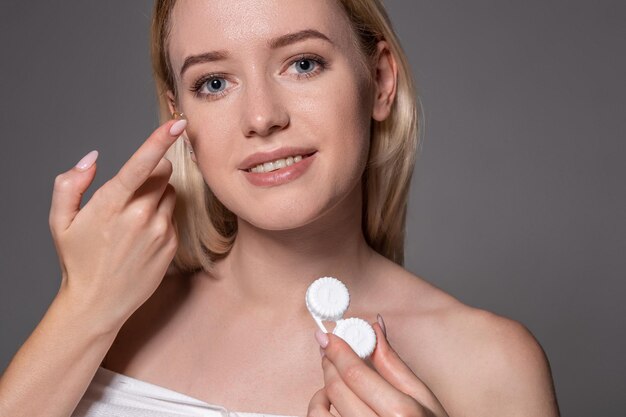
[264,109]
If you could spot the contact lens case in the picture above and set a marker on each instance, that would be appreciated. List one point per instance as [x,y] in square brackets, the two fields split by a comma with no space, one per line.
[327,299]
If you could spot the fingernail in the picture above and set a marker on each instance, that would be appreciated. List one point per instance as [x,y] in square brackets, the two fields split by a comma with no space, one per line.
[178,127]
[322,352]
[382,324]
[321,337]
[87,161]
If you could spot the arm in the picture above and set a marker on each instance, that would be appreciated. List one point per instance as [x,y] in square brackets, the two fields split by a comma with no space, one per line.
[125,231]
[52,370]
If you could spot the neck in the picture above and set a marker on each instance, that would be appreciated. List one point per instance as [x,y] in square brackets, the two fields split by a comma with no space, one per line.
[271,269]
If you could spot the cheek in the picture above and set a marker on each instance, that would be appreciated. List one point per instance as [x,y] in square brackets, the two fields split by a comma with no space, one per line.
[210,134]
[344,118]
[216,157]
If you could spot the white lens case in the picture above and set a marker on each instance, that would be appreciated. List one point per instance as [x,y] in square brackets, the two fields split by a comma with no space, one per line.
[327,299]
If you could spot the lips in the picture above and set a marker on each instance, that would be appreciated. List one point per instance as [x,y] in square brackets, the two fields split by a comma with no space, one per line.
[262,157]
[281,176]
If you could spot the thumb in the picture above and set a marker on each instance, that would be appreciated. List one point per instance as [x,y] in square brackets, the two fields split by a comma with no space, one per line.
[69,188]
[391,367]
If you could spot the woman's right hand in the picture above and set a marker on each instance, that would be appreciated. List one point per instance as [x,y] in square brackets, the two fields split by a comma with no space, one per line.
[115,251]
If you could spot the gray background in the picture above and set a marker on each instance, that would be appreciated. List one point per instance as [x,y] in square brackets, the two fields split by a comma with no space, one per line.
[517,203]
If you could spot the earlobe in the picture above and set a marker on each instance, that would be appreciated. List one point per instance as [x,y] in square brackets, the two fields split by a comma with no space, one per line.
[385,81]
[171,101]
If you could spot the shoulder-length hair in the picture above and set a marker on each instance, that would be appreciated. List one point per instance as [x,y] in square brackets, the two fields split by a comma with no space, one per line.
[207,229]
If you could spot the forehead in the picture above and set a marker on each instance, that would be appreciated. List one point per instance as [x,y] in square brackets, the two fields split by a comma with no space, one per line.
[242,25]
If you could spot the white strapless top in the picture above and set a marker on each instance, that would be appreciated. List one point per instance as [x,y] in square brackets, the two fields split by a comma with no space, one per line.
[111,394]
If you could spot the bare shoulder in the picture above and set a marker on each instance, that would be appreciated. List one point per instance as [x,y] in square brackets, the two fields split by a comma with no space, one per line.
[477,363]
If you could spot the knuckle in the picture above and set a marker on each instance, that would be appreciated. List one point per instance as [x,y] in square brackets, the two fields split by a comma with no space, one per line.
[62,182]
[161,227]
[353,373]
[141,214]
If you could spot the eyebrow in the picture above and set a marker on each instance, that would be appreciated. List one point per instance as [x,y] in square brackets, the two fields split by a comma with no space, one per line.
[274,43]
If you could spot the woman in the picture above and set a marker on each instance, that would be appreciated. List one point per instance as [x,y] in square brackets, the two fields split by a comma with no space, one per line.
[324,90]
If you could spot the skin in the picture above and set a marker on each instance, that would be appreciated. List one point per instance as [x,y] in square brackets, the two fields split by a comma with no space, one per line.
[243,338]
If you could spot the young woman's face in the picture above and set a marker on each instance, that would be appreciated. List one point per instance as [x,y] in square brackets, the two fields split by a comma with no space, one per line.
[255,95]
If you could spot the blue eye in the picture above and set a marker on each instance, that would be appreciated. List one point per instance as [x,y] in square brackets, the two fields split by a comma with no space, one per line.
[215,83]
[307,64]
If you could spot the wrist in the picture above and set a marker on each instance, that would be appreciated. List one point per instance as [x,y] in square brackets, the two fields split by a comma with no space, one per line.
[95,320]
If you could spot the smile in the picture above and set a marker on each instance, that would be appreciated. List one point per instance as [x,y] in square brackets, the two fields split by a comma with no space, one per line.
[280,171]
[278,164]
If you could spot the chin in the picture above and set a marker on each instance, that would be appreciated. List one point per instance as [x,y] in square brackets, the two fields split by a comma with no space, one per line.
[278,225]
[281,218]
[288,208]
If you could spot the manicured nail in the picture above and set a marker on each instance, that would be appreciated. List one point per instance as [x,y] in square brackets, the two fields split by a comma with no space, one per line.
[178,127]
[87,161]
[382,324]
[321,337]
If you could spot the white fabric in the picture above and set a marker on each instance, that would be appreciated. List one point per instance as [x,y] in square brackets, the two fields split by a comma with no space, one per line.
[111,394]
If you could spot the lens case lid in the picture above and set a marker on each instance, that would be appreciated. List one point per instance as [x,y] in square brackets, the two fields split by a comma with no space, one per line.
[327,299]
[358,334]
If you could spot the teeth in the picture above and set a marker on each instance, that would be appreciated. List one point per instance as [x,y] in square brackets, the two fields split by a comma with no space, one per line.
[277,164]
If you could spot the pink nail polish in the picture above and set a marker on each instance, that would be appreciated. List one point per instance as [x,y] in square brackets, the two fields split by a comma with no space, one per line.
[321,337]
[178,127]
[382,324]
[87,161]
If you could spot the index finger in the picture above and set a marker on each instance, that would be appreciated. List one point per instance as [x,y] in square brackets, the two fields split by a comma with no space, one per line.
[365,382]
[141,164]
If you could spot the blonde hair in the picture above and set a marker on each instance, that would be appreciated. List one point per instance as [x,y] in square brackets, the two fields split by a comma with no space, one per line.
[207,229]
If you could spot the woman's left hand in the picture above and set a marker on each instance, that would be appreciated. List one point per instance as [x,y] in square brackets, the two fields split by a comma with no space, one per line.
[356,390]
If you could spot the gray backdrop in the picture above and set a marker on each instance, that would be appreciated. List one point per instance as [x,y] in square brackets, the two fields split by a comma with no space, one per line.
[517,204]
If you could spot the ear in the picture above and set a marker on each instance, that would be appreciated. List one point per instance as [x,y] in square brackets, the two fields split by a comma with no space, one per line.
[171,101]
[385,81]
[171,105]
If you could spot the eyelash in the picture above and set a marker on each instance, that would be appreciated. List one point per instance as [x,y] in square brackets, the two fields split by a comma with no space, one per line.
[322,65]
